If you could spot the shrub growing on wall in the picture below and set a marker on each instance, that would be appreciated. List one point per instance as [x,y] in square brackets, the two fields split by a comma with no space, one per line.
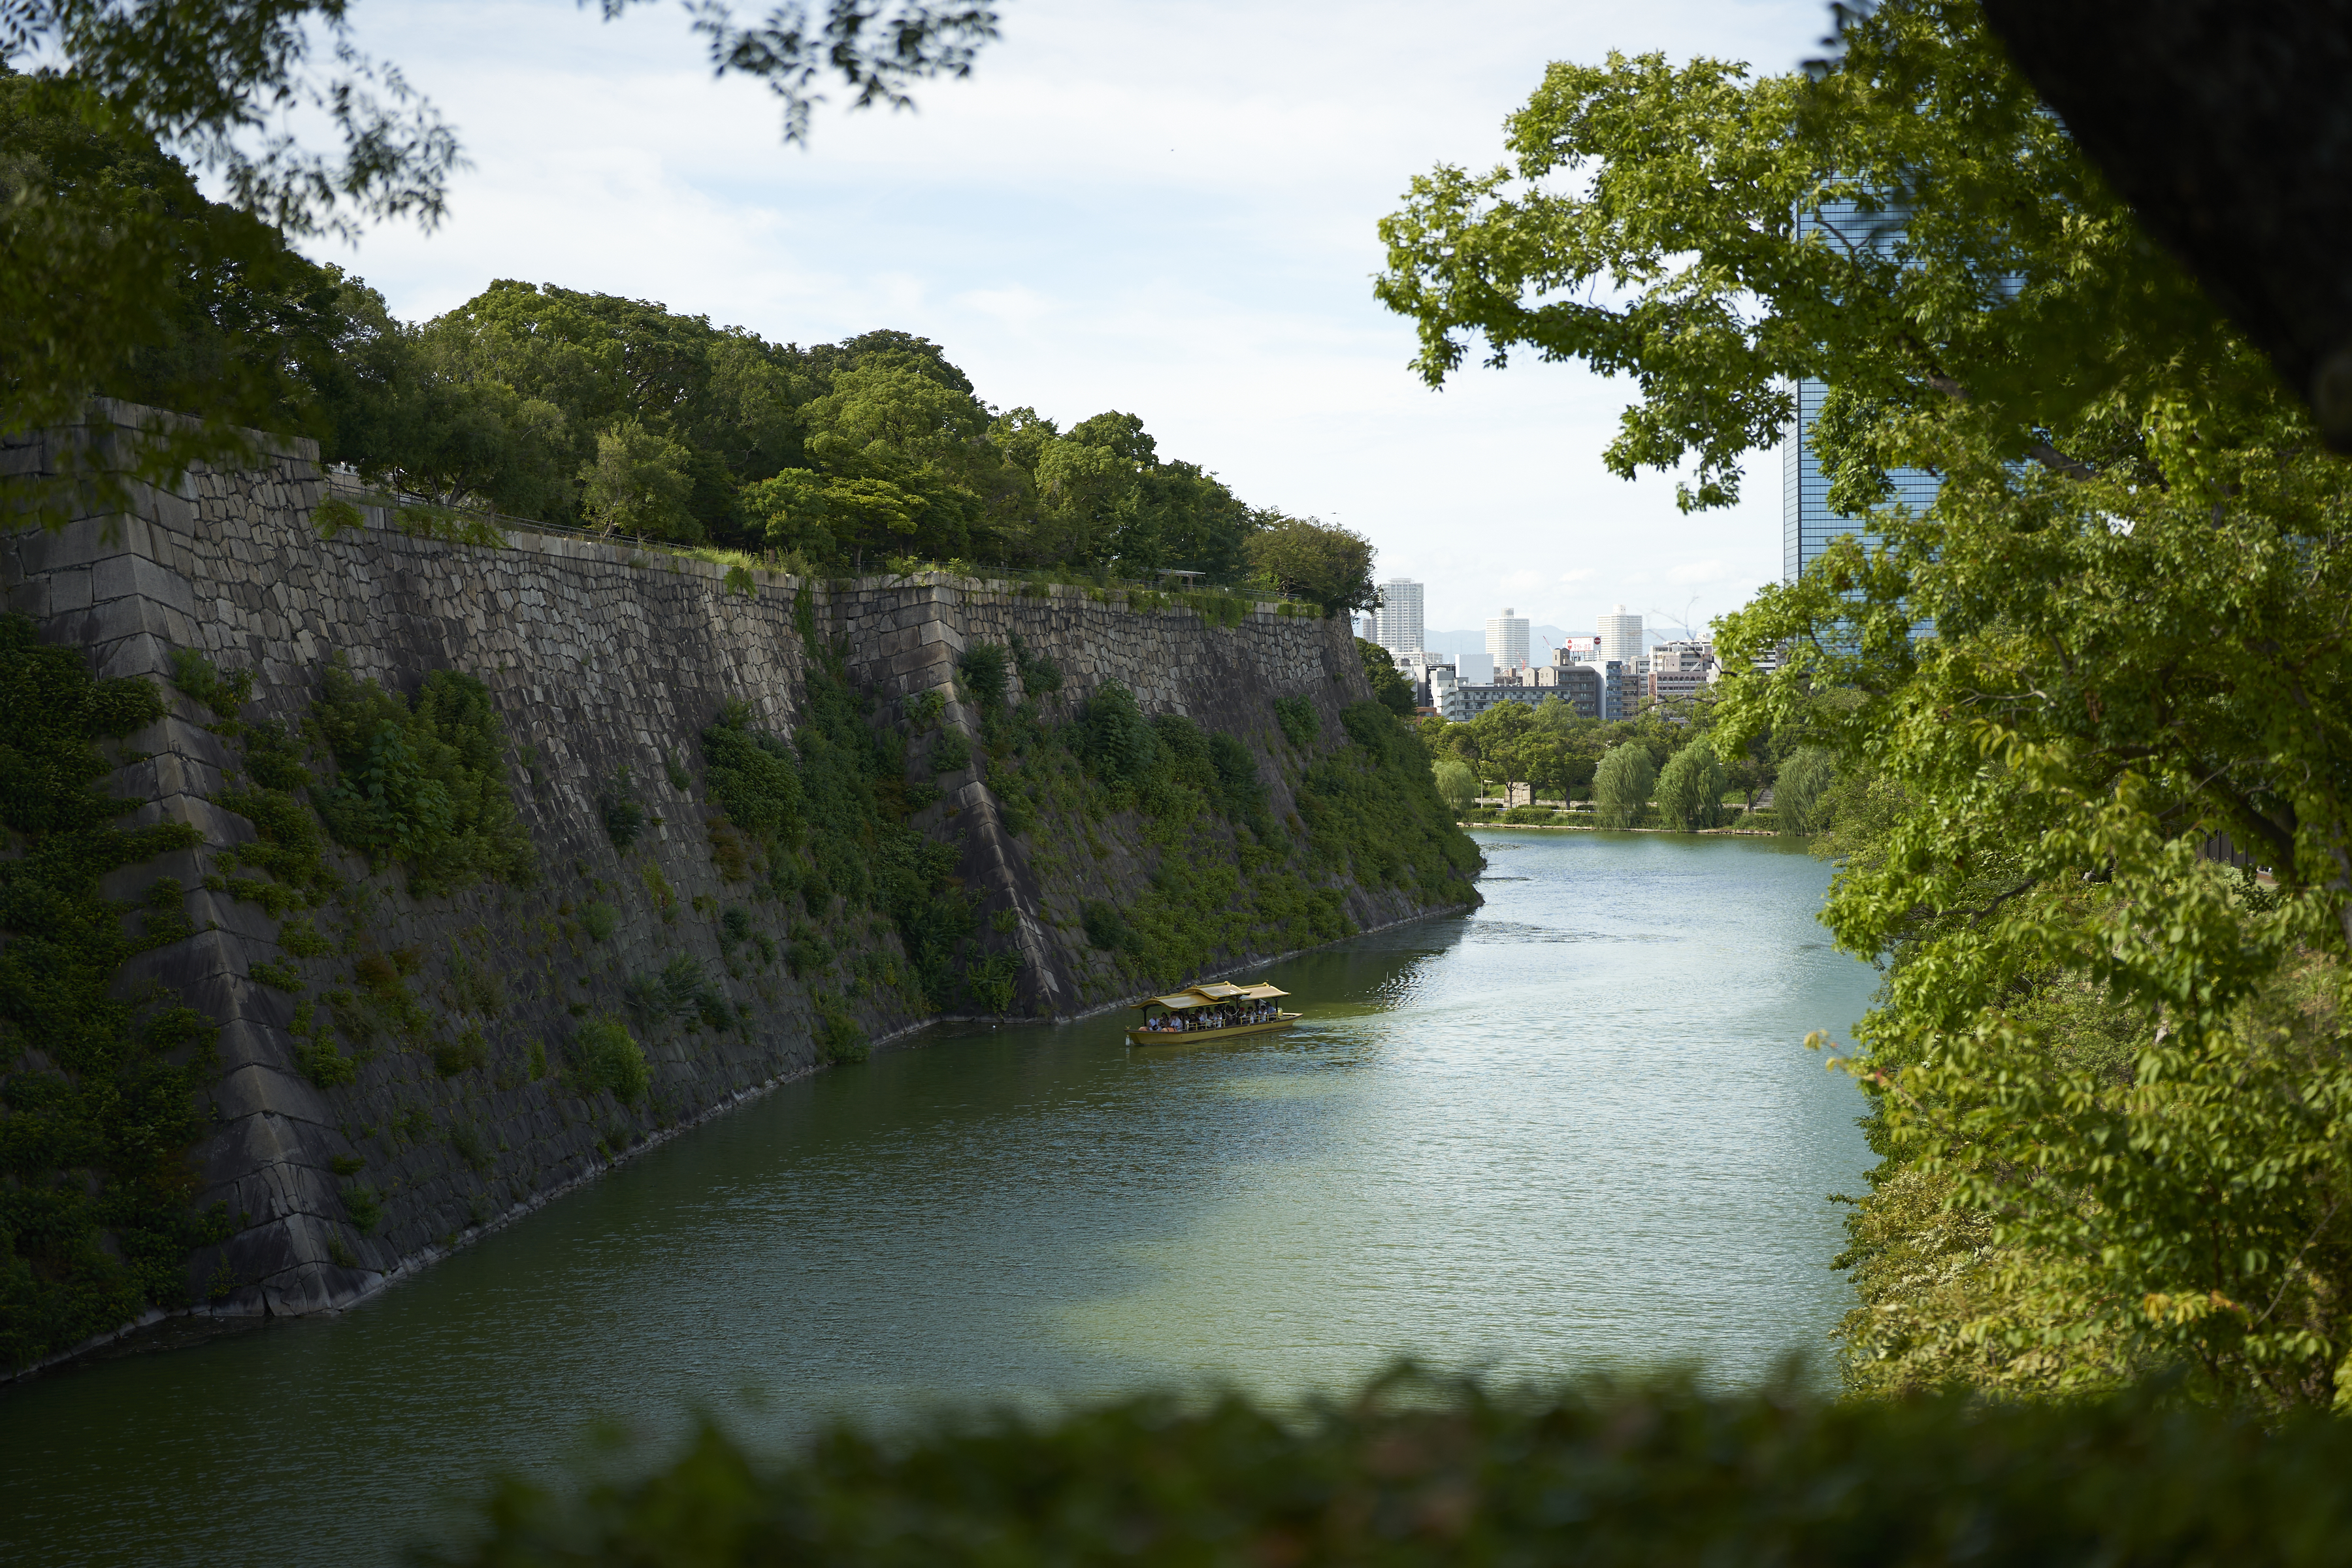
[752,774]
[97,1094]
[1298,719]
[1115,738]
[604,1057]
[423,784]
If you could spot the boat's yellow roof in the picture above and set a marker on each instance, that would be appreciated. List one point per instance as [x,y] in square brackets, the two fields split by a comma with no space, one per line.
[1211,995]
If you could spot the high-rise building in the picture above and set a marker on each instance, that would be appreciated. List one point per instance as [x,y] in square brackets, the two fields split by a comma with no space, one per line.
[1621,636]
[1506,640]
[1399,618]
[1807,524]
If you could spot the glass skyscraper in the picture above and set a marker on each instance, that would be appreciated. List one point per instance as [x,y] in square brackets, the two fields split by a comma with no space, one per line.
[1807,524]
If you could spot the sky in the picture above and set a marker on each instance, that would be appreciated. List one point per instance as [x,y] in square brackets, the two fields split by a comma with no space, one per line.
[1161,207]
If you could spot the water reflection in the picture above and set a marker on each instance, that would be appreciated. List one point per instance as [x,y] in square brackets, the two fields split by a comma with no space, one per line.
[1573,1128]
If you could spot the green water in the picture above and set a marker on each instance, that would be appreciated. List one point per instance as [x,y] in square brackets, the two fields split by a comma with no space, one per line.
[1575,1128]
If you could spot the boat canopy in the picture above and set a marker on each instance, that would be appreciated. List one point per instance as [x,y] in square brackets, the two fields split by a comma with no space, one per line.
[1214,994]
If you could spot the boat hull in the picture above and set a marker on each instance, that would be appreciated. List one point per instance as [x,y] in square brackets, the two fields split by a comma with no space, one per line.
[1205,1036]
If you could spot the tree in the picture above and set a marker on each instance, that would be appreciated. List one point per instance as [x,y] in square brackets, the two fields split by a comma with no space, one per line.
[637,484]
[1326,565]
[1388,684]
[1803,784]
[118,278]
[1456,784]
[2133,571]
[1690,789]
[84,277]
[1621,785]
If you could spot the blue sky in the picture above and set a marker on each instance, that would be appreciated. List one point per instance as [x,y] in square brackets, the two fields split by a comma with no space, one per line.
[1160,208]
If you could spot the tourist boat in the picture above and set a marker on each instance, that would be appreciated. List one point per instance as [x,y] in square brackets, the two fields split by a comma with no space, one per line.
[1212,1011]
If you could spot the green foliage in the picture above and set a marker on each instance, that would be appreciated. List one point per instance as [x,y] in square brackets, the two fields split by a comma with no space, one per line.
[278,976]
[1389,687]
[1298,719]
[1800,792]
[1690,789]
[322,1064]
[923,708]
[2112,633]
[837,1038]
[604,1057]
[126,281]
[1373,811]
[1040,675]
[985,670]
[1240,793]
[467,1051]
[1115,738]
[1413,1471]
[1455,784]
[637,483]
[195,674]
[1324,563]
[423,786]
[674,768]
[991,981]
[683,992]
[618,808]
[471,1146]
[600,921]
[1107,927]
[366,1207]
[448,525]
[335,516]
[751,774]
[1621,785]
[97,1090]
[950,754]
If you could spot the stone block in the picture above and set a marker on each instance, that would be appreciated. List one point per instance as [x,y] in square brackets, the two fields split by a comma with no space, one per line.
[124,575]
[256,1089]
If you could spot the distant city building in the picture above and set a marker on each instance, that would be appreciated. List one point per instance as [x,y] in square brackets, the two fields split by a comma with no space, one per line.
[1399,616]
[1415,665]
[1369,629]
[1602,690]
[1506,640]
[1677,669]
[1620,636]
[1474,668]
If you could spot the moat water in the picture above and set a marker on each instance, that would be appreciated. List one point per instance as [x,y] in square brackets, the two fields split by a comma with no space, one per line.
[1576,1128]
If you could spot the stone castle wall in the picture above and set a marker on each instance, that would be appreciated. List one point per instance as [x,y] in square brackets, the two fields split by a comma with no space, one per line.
[599,658]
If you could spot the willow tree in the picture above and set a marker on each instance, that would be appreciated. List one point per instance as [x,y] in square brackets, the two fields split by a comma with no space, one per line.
[1690,788]
[2139,576]
[1621,784]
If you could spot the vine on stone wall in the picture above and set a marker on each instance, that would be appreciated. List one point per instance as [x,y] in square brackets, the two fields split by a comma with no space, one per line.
[98,1093]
